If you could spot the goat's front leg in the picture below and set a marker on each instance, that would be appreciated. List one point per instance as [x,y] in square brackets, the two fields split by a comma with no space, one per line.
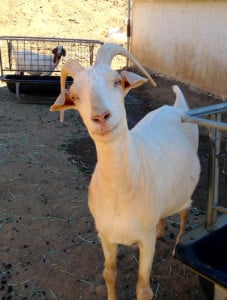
[146,250]
[110,268]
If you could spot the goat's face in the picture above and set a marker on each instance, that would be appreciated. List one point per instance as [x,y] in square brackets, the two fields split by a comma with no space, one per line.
[100,101]
[98,94]
[58,52]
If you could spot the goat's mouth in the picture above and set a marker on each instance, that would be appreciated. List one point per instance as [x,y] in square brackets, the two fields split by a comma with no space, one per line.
[103,132]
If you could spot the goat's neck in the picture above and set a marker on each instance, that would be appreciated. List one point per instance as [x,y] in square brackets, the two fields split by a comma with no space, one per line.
[114,159]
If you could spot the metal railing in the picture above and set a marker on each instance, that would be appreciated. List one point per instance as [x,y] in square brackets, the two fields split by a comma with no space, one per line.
[211,118]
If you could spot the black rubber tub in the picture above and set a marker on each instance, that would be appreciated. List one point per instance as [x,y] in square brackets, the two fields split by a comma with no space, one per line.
[205,252]
[35,85]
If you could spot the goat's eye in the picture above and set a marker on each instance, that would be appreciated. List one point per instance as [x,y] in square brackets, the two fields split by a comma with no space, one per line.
[74,98]
[117,82]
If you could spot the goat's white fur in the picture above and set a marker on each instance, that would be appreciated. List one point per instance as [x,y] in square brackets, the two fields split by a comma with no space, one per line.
[35,63]
[142,175]
[117,35]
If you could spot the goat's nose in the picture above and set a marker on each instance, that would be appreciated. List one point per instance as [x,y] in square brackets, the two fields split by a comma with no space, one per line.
[101,118]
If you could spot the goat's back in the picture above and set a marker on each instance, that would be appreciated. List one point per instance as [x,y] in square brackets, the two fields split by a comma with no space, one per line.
[191,131]
[167,119]
[170,148]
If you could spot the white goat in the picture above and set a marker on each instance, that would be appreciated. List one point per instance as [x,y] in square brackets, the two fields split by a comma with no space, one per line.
[117,35]
[35,63]
[142,175]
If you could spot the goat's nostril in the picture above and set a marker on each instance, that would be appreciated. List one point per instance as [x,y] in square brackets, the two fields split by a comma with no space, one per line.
[101,118]
[96,119]
[106,116]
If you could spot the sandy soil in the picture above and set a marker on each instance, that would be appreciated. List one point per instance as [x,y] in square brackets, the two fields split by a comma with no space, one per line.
[48,244]
[88,19]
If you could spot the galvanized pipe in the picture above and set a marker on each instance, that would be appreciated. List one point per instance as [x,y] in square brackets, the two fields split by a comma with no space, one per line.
[207,110]
[213,188]
[204,122]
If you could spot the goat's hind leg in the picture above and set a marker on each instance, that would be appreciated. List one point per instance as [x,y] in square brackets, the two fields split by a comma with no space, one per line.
[183,218]
[146,250]
[160,229]
[110,268]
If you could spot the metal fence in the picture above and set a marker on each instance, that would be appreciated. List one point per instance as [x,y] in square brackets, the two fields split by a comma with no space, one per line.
[31,49]
[82,50]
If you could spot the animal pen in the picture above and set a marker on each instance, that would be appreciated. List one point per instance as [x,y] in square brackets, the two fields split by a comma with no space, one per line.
[192,250]
[28,82]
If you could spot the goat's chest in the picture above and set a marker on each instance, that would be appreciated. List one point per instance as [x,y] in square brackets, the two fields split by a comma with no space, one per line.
[120,216]
[118,226]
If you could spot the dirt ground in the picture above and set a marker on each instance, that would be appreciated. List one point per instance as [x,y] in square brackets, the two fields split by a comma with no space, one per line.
[48,244]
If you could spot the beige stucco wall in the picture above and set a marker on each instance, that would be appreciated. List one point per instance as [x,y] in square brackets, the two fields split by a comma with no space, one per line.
[186,40]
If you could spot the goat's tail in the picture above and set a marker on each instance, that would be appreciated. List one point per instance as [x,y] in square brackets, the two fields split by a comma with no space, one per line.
[191,130]
[180,99]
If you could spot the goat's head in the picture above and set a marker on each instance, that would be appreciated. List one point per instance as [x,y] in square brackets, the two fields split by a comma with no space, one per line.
[98,92]
[58,52]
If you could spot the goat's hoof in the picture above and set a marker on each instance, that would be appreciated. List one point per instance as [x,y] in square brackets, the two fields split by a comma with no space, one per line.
[145,294]
[101,291]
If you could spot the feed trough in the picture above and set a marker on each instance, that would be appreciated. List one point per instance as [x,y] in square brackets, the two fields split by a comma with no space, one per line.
[37,76]
[204,249]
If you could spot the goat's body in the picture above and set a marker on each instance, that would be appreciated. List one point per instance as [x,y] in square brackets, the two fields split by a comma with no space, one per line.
[118,38]
[142,175]
[117,35]
[34,63]
[154,148]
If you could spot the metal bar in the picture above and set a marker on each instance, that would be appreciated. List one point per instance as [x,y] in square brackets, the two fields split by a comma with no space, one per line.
[213,188]
[217,144]
[128,29]
[45,39]
[204,122]
[1,66]
[211,109]
[209,208]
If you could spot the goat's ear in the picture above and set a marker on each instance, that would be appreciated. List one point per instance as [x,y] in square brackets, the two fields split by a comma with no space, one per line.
[63,102]
[54,51]
[131,80]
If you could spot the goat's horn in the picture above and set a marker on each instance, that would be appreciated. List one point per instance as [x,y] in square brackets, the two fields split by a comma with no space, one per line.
[108,51]
[71,67]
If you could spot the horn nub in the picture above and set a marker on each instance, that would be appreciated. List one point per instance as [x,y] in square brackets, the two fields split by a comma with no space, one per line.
[71,67]
[108,51]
